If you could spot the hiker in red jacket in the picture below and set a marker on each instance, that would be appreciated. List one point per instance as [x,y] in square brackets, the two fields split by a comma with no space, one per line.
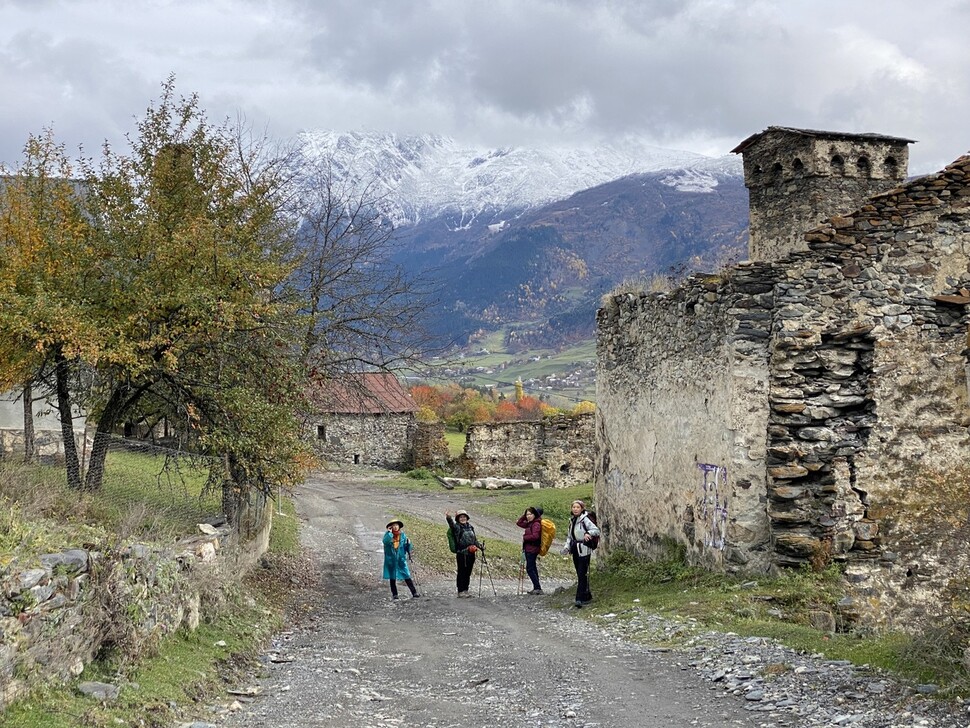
[531,521]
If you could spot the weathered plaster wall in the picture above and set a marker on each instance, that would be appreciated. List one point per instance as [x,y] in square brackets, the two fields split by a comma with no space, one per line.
[48,443]
[380,440]
[681,413]
[557,451]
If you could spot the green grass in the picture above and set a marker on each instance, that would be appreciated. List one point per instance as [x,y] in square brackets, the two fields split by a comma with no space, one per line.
[431,543]
[776,608]
[190,670]
[456,442]
[143,497]
[555,502]
[284,537]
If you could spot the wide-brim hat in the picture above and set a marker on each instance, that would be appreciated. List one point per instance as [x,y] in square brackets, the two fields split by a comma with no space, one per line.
[462,513]
[391,523]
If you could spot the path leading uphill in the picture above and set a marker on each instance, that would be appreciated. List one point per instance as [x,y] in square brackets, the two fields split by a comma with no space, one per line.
[359,660]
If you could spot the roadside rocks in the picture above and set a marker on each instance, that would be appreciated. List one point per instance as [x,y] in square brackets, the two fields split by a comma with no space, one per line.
[788,687]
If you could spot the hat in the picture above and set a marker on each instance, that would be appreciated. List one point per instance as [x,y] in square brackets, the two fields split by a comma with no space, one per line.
[462,513]
[538,511]
[399,523]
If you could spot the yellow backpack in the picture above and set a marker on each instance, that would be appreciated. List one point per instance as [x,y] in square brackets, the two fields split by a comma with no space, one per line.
[548,534]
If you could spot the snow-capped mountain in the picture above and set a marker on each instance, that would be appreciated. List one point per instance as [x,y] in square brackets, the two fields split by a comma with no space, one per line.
[433,177]
[531,238]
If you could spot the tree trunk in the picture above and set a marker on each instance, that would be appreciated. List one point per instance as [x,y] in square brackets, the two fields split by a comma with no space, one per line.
[113,411]
[28,395]
[62,370]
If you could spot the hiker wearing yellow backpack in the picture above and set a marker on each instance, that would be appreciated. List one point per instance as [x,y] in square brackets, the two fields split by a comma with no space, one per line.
[531,521]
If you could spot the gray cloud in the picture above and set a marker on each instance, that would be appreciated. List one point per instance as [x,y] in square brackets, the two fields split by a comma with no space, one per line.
[695,74]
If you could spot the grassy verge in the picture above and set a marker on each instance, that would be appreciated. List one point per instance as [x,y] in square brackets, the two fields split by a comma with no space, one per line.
[778,608]
[189,672]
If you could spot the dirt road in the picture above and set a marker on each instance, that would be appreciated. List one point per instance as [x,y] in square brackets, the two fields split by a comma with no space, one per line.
[359,659]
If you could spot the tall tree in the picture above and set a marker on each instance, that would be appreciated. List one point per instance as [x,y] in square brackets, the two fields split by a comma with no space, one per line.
[45,257]
[192,257]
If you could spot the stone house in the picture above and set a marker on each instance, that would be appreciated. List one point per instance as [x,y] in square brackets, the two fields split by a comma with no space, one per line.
[809,405]
[364,419]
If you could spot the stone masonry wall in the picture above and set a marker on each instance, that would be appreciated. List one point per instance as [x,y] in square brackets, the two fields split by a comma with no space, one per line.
[850,359]
[430,446]
[869,401]
[681,416]
[379,440]
[795,181]
[55,617]
[557,451]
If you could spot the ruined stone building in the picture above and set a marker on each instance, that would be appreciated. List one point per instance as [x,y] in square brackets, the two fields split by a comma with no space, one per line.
[555,451]
[809,405]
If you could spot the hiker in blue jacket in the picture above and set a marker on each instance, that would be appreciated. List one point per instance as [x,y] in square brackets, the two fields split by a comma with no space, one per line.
[466,544]
[397,548]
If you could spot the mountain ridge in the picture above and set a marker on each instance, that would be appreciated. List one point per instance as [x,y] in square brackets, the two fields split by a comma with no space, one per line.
[535,237]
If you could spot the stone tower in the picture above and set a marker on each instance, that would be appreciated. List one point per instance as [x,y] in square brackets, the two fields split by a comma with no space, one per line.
[798,177]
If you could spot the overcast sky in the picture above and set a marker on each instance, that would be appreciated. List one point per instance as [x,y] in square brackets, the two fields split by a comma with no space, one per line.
[699,75]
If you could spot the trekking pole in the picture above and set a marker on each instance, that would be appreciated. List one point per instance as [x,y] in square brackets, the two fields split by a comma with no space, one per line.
[414,572]
[481,569]
[485,564]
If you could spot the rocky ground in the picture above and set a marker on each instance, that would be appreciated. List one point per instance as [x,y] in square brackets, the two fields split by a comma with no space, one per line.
[356,659]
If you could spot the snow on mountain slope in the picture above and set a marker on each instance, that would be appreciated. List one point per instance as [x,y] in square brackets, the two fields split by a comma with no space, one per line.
[429,176]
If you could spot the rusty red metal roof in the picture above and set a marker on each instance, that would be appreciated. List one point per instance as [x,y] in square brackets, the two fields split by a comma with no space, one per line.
[367,393]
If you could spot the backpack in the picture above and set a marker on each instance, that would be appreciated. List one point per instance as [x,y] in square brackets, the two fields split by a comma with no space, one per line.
[452,546]
[594,541]
[548,534]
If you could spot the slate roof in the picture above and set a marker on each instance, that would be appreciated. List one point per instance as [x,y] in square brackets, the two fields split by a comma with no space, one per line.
[367,393]
[817,133]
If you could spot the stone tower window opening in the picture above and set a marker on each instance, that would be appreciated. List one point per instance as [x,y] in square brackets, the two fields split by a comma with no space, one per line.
[798,167]
[838,164]
[865,169]
[777,169]
[322,433]
[891,166]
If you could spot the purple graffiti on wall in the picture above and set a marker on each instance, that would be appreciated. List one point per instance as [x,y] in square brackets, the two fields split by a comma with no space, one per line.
[712,506]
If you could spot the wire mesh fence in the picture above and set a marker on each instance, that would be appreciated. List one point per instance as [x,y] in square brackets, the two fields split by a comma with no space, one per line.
[149,493]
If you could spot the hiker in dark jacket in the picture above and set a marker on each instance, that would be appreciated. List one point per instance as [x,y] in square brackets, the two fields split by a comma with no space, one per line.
[531,521]
[467,546]
[397,548]
[581,531]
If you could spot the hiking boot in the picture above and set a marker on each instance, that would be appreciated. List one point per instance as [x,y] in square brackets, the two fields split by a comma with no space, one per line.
[394,598]
[415,595]
[536,591]
[578,604]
